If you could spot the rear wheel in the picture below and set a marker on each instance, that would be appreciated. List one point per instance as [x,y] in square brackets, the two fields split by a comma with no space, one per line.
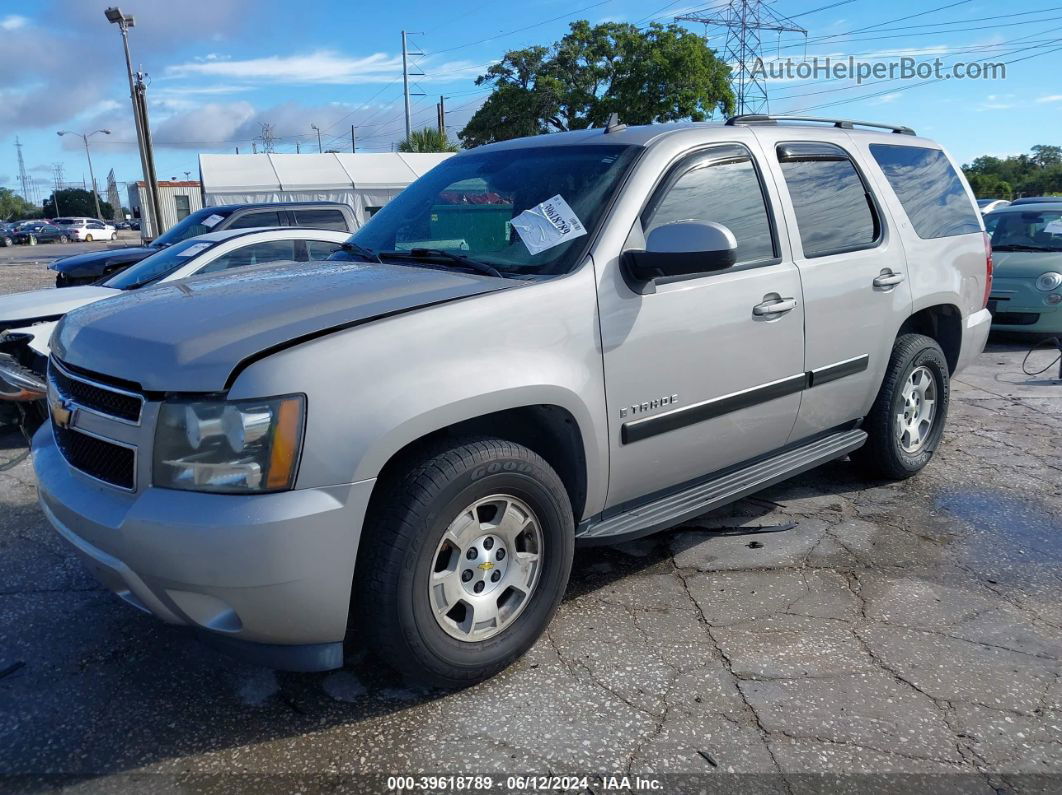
[64,239]
[465,558]
[114,235]
[88,238]
[906,423]
[5,242]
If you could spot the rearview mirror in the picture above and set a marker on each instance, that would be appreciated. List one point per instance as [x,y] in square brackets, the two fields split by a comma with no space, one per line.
[681,249]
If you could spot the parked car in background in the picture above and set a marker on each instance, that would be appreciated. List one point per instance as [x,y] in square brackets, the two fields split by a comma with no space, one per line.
[122,225]
[7,231]
[1037,200]
[27,319]
[90,268]
[988,205]
[134,225]
[87,229]
[581,337]
[40,233]
[1027,251]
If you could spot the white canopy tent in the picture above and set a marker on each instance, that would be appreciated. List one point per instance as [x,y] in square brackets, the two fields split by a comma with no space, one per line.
[364,181]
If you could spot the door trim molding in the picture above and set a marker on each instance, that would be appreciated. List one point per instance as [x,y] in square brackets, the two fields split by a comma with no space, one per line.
[646,427]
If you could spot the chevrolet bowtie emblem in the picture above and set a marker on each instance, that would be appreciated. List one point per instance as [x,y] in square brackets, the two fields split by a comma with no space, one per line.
[487,566]
[63,413]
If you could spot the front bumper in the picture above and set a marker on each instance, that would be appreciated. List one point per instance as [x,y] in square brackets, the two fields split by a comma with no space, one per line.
[1018,306]
[267,576]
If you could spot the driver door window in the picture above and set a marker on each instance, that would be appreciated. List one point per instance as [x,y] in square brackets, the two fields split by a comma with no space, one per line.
[724,191]
[253,254]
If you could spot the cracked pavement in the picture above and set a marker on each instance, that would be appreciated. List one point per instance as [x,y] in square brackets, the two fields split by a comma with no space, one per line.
[898,628]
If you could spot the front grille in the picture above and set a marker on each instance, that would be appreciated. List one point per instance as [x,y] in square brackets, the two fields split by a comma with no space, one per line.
[97,398]
[111,463]
[1015,318]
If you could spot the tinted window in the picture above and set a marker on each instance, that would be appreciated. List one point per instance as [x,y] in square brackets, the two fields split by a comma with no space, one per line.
[256,219]
[253,254]
[182,207]
[321,249]
[198,223]
[929,190]
[321,219]
[159,265]
[833,210]
[727,193]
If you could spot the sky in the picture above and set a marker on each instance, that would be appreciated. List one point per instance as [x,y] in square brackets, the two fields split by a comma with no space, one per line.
[220,69]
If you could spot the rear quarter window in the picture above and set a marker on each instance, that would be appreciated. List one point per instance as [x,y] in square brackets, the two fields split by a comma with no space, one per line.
[932,195]
[322,219]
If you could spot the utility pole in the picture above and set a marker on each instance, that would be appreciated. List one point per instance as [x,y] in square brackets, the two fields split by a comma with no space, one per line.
[440,109]
[137,91]
[353,139]
[318,130]
[744,21]
[23,178]
[406,74]
[88,156]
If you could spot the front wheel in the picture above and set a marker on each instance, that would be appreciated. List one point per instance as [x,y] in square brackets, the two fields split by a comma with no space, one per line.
[32,241]
[114,235]
[465,559]
[88,238]
[64,239]
[906,422]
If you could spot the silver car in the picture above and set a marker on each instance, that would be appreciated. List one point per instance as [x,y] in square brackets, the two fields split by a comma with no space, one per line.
[575,338]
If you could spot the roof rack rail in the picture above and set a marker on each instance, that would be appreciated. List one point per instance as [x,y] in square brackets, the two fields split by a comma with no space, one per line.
[844,124]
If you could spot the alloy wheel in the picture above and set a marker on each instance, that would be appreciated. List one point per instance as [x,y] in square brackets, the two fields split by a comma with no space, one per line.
[914,423]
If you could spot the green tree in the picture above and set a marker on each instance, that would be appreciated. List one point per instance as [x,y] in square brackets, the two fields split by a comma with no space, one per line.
[14,208]
[430,139]
[1036,174]
[77,202]
[661,73]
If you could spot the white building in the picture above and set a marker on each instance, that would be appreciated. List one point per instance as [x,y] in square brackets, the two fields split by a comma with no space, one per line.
[365,181]
[178,199]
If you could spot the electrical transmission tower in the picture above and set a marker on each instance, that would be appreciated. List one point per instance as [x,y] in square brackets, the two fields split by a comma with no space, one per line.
[29,193]
[113,198]
[745,22]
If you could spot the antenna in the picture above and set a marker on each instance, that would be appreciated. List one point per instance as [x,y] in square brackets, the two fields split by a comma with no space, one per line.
[744,21]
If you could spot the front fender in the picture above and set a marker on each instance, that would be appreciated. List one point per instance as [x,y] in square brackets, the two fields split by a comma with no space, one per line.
[373,389]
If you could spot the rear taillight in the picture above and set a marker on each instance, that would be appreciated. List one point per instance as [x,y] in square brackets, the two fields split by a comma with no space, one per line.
[988,269]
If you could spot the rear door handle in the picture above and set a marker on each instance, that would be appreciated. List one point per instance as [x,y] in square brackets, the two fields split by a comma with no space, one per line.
[887,279]
[777,307]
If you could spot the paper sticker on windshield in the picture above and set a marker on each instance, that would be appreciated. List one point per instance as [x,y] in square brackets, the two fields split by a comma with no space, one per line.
[1054,227]
[548,224]
[211,221]
[191,251]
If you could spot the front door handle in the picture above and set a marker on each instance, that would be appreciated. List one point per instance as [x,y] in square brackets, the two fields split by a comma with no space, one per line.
[778,306]
[887,279]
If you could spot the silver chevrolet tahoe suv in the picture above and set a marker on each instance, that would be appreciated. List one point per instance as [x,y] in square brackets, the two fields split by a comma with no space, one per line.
[582,337]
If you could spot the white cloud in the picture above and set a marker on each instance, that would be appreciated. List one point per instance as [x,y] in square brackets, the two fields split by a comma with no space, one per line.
[885,99]
[320,66]
[1050,98]
[13,22]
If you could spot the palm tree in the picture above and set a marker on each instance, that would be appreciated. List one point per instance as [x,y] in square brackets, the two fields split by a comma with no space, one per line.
[429,139]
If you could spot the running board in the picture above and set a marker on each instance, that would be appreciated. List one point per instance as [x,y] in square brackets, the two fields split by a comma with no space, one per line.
[708,495]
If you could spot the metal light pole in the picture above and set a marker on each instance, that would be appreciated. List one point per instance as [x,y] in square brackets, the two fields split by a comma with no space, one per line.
[147,163]
[92,176]
[318,129]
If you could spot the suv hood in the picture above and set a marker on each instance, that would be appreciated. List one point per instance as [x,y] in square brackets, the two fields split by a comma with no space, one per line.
[96,262]
[38,304]
[190,335]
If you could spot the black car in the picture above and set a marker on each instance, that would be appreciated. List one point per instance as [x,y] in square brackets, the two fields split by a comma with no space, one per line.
[40,233]
[90,268]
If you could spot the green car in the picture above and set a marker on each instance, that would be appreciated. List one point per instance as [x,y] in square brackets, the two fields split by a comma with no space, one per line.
[1027,251]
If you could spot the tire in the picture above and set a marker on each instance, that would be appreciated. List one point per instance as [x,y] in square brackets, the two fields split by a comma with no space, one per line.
[409,541]
[114,235]
[894,424]
[31,240]
[88,238]
[7,242]
[64,239]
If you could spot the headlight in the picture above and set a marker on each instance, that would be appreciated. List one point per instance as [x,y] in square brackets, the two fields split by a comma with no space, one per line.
[229,446]
[1046,282]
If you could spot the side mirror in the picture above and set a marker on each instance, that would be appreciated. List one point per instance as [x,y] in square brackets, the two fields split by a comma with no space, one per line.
[683,248]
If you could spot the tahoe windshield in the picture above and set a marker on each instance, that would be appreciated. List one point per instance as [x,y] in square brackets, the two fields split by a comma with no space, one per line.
[1032,230]
[193,225]
[498,211]
[159,265]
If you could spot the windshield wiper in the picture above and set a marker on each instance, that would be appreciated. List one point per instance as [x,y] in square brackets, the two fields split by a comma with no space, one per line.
[361,251]
[448,256]
[1021,247]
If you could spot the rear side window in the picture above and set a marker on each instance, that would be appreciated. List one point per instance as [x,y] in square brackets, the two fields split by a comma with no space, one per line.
[253,254]
[321,249]
[930,191]
[252,220]
[322,219]
[721,186]
[834,211]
